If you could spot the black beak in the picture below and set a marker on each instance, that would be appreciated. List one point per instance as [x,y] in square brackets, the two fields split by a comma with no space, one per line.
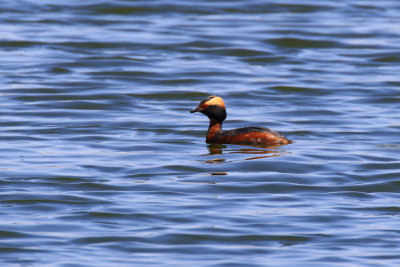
[195,110]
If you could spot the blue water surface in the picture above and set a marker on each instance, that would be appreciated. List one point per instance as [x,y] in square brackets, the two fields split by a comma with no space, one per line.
[102,164]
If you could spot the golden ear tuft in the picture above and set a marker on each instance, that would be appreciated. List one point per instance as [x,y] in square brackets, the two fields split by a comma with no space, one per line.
[216,100]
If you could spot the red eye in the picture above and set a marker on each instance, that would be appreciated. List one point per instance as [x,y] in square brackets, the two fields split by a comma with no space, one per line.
[203,107]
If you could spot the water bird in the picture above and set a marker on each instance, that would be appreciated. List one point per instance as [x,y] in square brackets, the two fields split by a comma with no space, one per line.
[214,108]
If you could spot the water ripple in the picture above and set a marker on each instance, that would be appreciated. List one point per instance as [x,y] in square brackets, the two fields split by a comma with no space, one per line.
[103,165]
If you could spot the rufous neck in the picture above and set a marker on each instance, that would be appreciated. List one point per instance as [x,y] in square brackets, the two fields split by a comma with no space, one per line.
[214,129]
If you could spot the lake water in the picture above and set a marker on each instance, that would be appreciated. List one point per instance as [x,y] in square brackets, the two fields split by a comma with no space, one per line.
[103,165]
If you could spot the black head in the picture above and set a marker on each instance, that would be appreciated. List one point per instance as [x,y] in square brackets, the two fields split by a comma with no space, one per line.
[213,107]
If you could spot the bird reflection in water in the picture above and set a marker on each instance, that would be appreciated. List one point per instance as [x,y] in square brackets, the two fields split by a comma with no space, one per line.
[260,151]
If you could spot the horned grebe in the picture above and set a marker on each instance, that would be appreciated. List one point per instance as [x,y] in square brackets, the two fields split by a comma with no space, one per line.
[214,108]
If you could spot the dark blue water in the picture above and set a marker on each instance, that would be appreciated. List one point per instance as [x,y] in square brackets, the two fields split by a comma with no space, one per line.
[102,164]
